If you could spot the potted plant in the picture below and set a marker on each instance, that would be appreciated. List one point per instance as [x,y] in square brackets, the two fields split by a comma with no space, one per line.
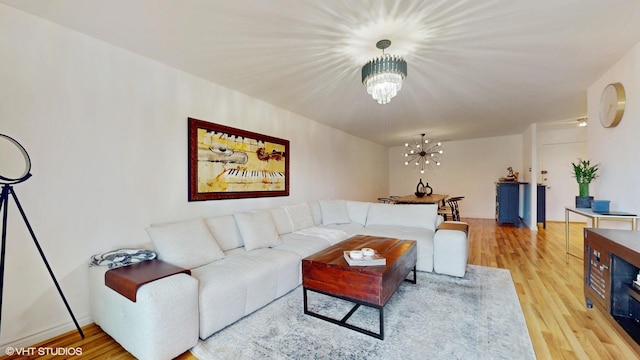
[584,173]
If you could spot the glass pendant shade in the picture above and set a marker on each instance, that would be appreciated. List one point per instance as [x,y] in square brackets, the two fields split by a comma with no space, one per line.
[383,76]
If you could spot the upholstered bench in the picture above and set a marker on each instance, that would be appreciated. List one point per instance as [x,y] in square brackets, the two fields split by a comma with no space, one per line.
[451,248]
[162,323]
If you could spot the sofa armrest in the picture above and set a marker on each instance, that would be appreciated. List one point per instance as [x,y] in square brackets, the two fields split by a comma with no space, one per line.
[162,323]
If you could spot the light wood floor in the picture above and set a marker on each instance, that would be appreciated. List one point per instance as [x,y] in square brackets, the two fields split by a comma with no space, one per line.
[549,288]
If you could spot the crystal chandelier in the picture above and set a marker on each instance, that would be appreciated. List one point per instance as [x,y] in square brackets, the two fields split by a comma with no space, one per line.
[383,75]
[423,154]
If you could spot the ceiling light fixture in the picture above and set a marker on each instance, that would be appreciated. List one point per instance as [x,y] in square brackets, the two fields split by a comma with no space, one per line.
[582,121]
[383,75]
[423,154]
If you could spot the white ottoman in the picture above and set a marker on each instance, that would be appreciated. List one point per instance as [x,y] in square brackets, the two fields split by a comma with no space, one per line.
[451,248]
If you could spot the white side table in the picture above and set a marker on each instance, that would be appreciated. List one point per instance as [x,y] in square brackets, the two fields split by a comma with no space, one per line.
[595,220]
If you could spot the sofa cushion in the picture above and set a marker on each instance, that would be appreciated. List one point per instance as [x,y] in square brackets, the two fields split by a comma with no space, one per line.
[258,230]
[333,236]
[281,220]
[334,212]
[187,244]
[303,245]
[358,211]
[316,212]
[300,216]
[223,285]
[423,216]
[349,229]
[289,273]
[225,231]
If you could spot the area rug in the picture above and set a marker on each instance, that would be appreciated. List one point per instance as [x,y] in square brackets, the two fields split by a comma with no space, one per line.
[441,317]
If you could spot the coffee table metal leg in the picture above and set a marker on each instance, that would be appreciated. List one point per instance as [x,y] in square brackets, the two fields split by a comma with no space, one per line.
[343,322]
[415,277]
[304,296]
[381,323]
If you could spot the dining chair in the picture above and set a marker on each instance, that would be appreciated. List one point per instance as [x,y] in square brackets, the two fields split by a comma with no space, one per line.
[389,200]
[451,209]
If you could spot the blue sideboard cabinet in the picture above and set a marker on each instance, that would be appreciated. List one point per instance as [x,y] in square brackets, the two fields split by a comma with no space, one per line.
[507,202]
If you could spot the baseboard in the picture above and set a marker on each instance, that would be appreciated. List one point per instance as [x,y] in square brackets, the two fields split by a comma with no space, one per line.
[45,334]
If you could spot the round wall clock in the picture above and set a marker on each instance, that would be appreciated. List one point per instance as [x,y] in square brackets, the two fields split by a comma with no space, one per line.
[612,105]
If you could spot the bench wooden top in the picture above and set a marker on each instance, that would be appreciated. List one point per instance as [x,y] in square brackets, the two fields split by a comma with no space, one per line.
[454,226]
[127,279]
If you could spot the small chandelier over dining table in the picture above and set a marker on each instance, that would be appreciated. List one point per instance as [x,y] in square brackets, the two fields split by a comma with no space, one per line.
[423,154]
[383,75]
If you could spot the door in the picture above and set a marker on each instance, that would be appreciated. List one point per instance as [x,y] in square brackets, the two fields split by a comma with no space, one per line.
[562,187]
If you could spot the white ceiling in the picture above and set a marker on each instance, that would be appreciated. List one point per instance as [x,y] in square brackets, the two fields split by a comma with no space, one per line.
[477,68]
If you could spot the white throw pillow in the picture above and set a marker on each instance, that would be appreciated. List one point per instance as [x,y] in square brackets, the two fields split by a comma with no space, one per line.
[358,211]
[187,244]
[258,230]
[225,231]
[316,212]
[281,220]
[300,216]
[334,212]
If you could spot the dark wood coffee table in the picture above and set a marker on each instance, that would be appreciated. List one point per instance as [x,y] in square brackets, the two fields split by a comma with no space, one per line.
[327,272]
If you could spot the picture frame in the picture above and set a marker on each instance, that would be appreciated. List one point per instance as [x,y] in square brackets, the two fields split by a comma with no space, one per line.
[229,163]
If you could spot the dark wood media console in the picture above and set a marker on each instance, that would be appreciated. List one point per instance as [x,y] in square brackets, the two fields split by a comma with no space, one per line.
[611,264]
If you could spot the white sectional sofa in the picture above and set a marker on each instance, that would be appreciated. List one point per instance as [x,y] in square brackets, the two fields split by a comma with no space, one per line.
[241,262]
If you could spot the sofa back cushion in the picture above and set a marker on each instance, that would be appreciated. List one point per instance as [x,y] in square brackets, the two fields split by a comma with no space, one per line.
[187,244]
[421,216]
[358,211]
[316,212]
[225,231]
[334,212]
[257,229]
[281,220]
[300,216]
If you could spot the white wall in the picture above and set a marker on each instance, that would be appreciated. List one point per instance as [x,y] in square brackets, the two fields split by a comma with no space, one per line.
[528,196]
[469,168]
[558,146]
[106,130]
[617,149]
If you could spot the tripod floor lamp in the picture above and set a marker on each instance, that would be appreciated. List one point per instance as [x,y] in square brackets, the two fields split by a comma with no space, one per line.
[7,182]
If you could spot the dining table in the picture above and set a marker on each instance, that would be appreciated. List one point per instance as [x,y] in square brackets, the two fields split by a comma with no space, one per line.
[427,199]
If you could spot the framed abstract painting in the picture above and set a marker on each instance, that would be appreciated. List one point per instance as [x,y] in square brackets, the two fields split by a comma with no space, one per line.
[230,163]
